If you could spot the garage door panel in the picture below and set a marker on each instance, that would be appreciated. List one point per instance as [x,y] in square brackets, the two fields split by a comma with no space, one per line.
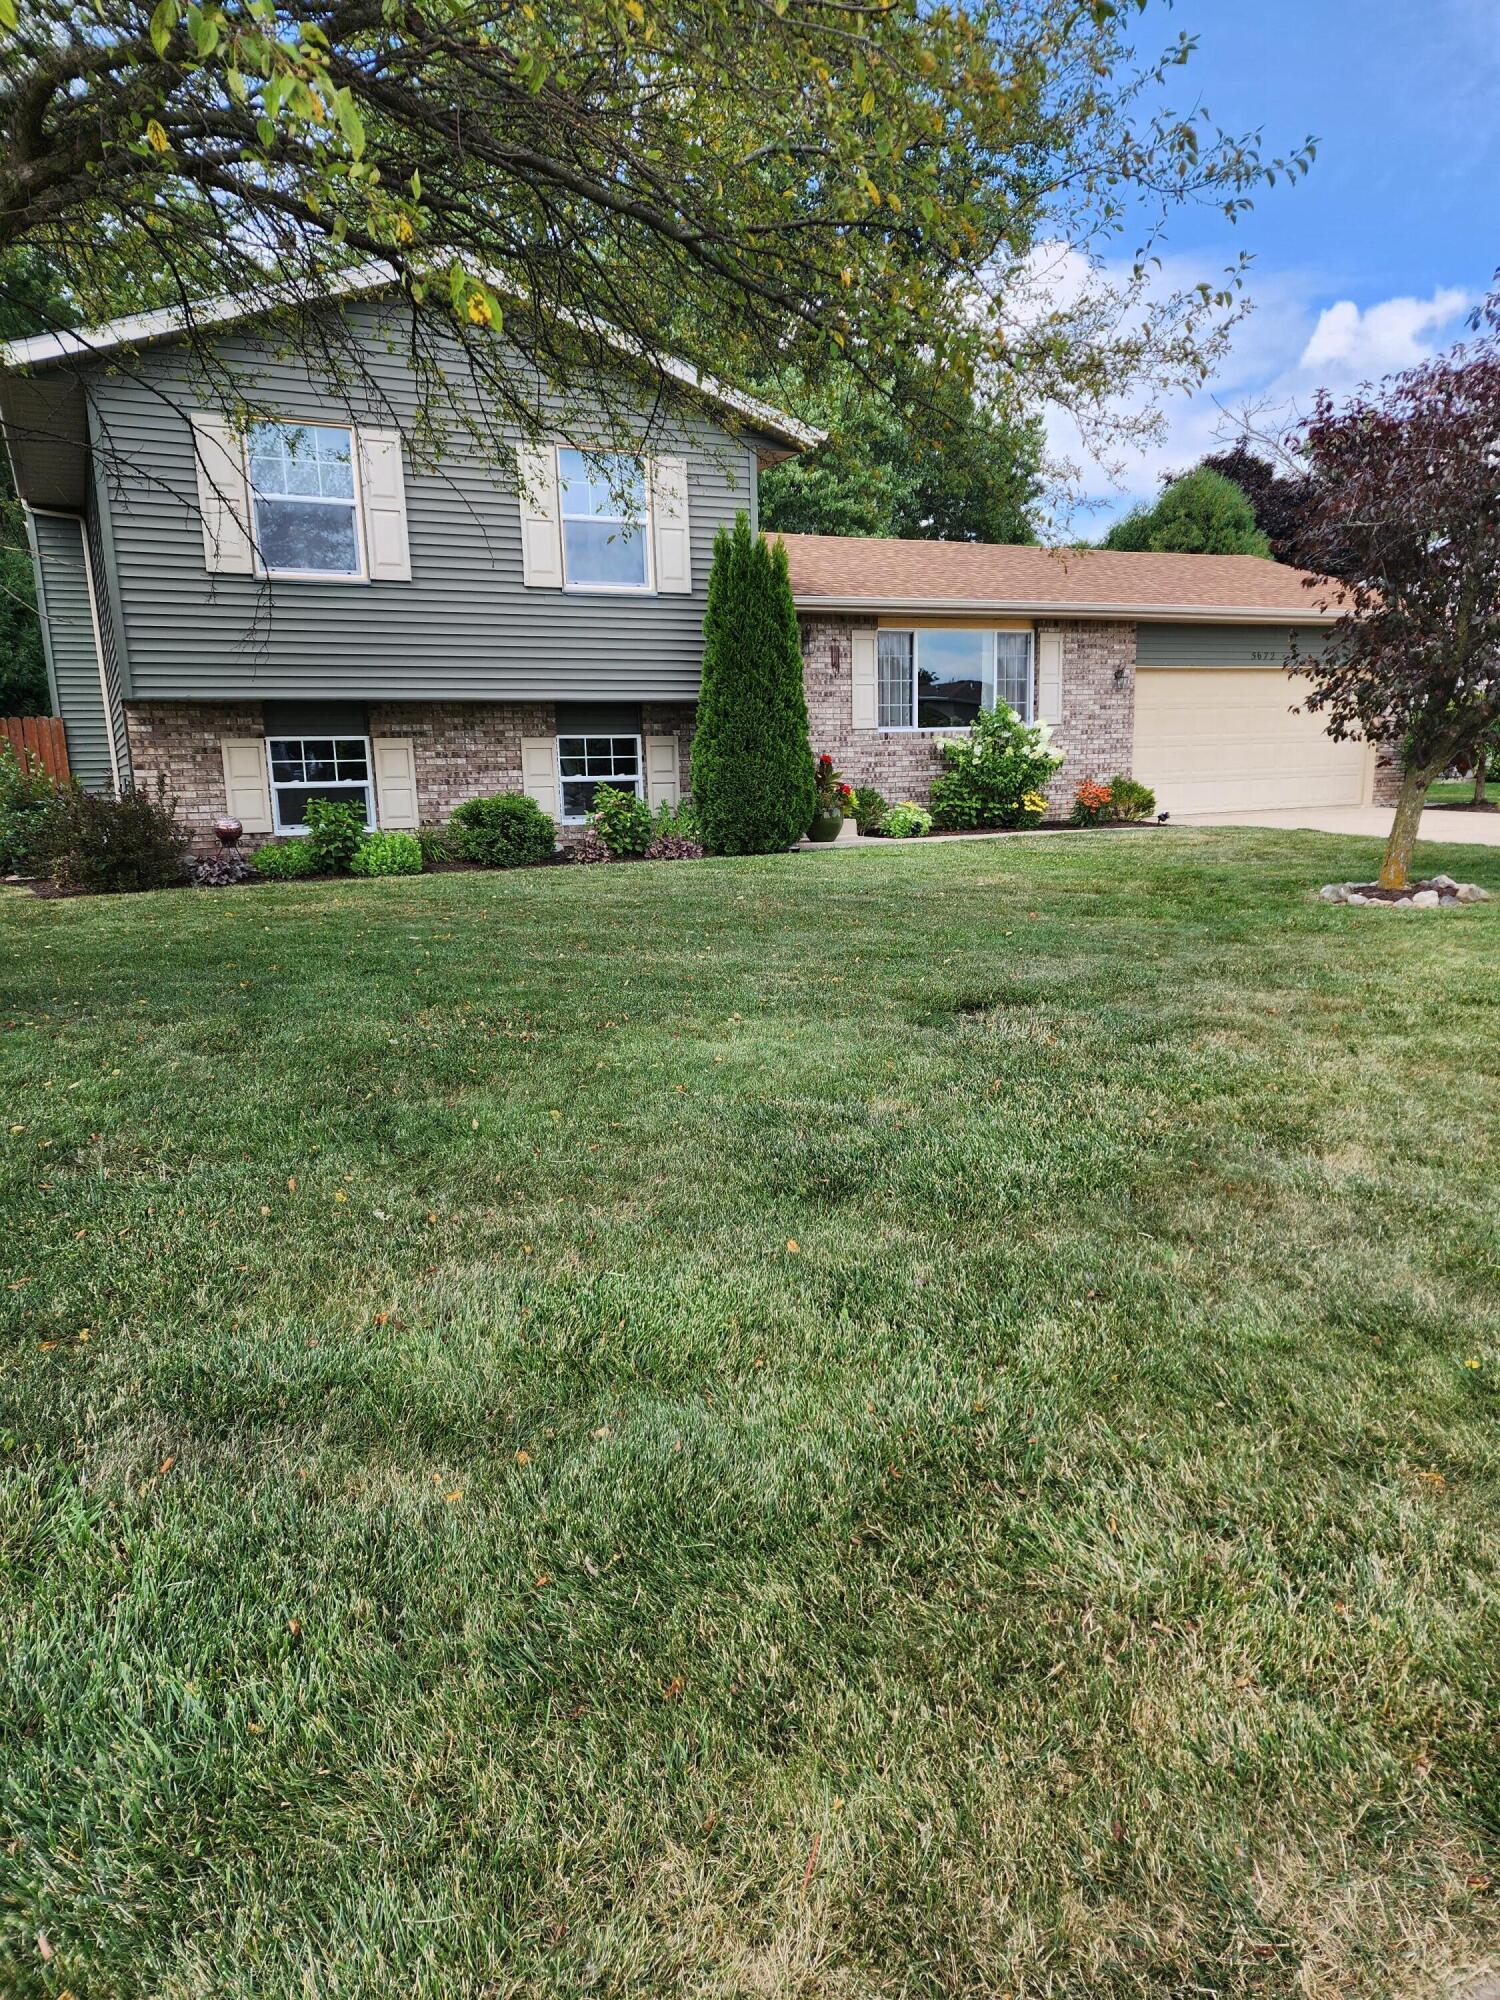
[1225,740]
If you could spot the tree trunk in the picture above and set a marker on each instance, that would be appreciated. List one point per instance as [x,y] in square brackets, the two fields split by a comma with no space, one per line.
[1481,772]
[1396,861]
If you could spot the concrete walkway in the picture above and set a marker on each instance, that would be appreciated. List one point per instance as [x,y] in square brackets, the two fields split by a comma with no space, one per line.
[1455,829]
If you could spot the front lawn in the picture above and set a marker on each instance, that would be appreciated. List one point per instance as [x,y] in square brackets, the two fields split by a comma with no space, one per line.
[1459,791]
[884,1423]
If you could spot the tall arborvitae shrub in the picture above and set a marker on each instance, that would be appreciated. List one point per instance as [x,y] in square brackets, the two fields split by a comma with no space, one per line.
[753,784]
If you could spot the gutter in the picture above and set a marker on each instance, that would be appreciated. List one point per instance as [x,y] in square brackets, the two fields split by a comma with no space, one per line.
[1185,614]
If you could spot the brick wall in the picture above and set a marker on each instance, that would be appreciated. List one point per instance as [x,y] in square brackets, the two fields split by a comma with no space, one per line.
[179,741]
[461,750]
[1387,782]
[1097,723]
[1097,729]
[902,765]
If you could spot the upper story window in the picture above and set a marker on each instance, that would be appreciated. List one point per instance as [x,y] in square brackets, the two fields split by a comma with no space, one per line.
[941,679]
[306,506]
[602,501]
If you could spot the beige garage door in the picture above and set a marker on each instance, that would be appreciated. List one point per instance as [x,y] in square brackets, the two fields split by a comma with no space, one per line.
[1221,739]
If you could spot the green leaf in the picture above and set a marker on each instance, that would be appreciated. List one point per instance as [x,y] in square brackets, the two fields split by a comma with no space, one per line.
[163,21]
[350,123]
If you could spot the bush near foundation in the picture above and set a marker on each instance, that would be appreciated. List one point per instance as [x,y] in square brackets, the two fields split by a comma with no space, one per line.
[94,843]
[988,772]
[505,830]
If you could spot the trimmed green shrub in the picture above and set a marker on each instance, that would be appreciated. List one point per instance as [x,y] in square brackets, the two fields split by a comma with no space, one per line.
[988,772]
[505,830]
[387,853]
[906,821]
[285,860]
[26,797]
[334,830]
[869,809]
[621,820]
[752,765]
[97,844]
[1130,799]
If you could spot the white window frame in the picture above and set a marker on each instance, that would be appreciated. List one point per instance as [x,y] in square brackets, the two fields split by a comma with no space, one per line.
[643,526]
[565,818]
[352,786]
[359,575]
[990,635]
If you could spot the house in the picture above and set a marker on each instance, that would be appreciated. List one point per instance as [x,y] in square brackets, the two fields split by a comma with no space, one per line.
[1169,667]
[306,608]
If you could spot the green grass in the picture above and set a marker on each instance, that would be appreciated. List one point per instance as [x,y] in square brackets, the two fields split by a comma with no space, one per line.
[1456,791]
[892,1423]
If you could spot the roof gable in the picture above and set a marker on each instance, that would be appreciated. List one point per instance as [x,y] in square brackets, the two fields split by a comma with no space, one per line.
[52,350]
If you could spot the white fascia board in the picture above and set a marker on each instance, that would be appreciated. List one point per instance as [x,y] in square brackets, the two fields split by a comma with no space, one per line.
[42,350]
[1175,614]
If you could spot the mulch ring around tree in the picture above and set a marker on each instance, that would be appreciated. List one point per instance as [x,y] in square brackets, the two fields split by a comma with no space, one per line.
[1461,806]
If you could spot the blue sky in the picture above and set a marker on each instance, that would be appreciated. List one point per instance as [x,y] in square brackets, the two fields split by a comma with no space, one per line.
[1372,261]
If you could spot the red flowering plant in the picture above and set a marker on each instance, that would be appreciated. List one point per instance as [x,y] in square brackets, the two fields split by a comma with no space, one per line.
[833,794]
[1092,803]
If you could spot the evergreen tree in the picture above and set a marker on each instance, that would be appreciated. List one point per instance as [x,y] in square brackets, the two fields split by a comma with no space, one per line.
[753,783]
[1203,513]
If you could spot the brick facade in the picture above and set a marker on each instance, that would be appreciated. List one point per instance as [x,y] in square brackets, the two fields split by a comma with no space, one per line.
[1098,710]
[461,749]
[179,741]
[1386,787]
[1097,730]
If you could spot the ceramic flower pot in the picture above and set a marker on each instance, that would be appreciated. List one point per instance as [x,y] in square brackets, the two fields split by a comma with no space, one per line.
[826,822]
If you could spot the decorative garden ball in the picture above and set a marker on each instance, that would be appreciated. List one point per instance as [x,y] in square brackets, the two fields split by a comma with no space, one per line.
[228,830]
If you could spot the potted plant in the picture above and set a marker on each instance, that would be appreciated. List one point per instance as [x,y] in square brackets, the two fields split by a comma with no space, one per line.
[835,798]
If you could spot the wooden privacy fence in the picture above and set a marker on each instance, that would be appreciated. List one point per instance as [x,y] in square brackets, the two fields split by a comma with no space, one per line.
[37,739]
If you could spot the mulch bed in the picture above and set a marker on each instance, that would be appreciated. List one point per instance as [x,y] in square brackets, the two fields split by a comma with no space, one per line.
[1460,806]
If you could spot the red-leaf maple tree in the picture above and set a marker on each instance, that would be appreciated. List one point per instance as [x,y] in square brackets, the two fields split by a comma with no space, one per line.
[1403,509]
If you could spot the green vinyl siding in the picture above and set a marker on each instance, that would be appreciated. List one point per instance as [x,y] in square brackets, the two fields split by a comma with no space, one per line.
[1221,645]
[68,632]
[465,627]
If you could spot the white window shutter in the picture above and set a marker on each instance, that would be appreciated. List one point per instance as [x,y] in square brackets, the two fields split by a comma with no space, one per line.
[1049,658]
[541,520]
[862,674]
[247,790]
[663,786]
[539,772]
[395,781]
[670,527]
[382,485]
[223,495]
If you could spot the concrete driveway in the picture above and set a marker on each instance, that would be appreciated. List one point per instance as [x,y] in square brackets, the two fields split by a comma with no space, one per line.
[1454,829]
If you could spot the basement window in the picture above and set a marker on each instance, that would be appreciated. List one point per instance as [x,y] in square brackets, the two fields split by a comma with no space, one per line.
[304,768]
[587,762]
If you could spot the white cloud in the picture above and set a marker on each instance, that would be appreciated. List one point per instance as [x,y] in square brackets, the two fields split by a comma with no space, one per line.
[1289,346]
[1350,343]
